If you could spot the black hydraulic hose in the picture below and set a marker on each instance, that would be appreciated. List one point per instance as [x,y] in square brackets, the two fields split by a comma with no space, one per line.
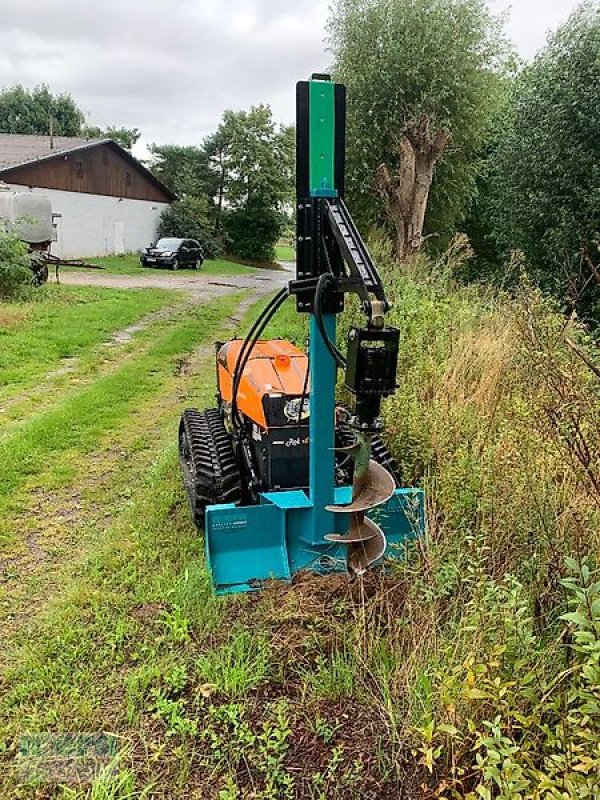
[250,334]
[266,310]
[336,354]
[241,360]
[250,342]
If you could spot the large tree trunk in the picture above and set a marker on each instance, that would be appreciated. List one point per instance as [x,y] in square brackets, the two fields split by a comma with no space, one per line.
[405,193]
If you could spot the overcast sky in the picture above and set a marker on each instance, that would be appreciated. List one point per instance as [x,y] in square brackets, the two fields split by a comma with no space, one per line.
[171,67]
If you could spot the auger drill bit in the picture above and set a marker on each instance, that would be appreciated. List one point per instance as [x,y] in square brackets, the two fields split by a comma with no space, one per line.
[372,486]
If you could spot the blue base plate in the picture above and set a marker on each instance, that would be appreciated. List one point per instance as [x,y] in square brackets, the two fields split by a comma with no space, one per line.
[246,546]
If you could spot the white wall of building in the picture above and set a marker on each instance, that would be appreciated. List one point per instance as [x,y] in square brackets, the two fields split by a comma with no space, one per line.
[90,225]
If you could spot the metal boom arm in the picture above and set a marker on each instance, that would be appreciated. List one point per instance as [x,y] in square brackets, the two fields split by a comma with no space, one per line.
[366,279]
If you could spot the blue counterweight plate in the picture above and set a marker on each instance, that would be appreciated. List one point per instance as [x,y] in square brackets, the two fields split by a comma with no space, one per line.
[245,546]
[273,541]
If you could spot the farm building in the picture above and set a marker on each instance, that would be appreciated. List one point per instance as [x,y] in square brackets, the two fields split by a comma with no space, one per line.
[103,200]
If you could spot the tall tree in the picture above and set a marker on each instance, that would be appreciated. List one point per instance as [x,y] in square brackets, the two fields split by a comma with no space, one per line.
[287,152]
[35,111]
[422,80]
[256,157]
[38,111]
[542,195]
[184,169]
[216,148]
[254,161]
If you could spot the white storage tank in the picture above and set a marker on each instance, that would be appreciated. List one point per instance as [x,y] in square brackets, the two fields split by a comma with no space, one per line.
[27,215]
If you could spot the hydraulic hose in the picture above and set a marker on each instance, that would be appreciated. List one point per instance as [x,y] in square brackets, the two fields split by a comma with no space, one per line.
[338,357]
[250,342]
[255,325]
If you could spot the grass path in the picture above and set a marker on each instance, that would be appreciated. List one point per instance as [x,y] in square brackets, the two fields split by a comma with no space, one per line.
[63,456]
[42,338]
[76,371]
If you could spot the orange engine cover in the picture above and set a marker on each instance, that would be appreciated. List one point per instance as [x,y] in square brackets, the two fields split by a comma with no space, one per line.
[275,367]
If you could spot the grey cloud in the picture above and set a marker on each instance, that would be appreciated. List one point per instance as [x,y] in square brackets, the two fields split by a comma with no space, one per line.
[172,68]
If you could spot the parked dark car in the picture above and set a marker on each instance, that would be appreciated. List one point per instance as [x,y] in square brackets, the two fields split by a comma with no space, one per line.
[173,253]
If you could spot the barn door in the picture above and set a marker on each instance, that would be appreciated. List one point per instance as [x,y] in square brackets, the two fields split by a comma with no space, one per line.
[119,246]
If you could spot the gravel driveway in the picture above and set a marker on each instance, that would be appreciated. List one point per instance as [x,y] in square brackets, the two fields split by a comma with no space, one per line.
[195,284]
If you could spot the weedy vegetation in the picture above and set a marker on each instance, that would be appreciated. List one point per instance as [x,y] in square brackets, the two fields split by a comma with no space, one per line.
[469,670]
[15,273]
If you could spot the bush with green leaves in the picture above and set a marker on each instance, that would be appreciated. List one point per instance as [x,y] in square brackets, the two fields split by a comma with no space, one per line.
[15,266]
[540,192]
[189,219]
[253,231]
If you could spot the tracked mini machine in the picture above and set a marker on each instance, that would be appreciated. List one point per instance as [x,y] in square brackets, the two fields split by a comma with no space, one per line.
[278,476]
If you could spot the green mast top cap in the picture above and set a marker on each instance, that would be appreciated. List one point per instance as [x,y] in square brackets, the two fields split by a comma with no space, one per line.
[322,136]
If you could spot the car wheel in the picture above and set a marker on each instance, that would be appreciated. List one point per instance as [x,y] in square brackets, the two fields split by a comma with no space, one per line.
[175,264]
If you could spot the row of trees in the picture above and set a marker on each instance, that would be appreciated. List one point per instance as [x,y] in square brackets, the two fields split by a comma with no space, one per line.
[447,132]
[38,111]
[236,188]
[539,190]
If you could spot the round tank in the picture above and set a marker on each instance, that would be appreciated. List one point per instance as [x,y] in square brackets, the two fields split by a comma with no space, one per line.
[27,215]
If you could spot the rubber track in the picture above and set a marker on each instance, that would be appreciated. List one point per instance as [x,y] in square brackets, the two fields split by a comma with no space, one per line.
[215,476]
[381,454]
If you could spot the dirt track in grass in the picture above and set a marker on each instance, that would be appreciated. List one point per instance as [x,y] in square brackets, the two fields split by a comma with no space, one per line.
[51,520]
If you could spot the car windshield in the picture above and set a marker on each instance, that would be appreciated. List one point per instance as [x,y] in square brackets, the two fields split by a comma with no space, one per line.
[168,244]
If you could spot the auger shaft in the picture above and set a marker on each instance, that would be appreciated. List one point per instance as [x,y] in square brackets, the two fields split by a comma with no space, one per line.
[371,487]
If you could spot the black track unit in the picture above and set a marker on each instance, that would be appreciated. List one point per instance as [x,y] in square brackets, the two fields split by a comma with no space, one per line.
[210,470]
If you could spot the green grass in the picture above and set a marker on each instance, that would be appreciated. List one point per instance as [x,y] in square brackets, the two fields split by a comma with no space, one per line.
[454,674]
[240,664]
[129,264]
[78,421]
[137,405]
[64,323]
[284,252]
